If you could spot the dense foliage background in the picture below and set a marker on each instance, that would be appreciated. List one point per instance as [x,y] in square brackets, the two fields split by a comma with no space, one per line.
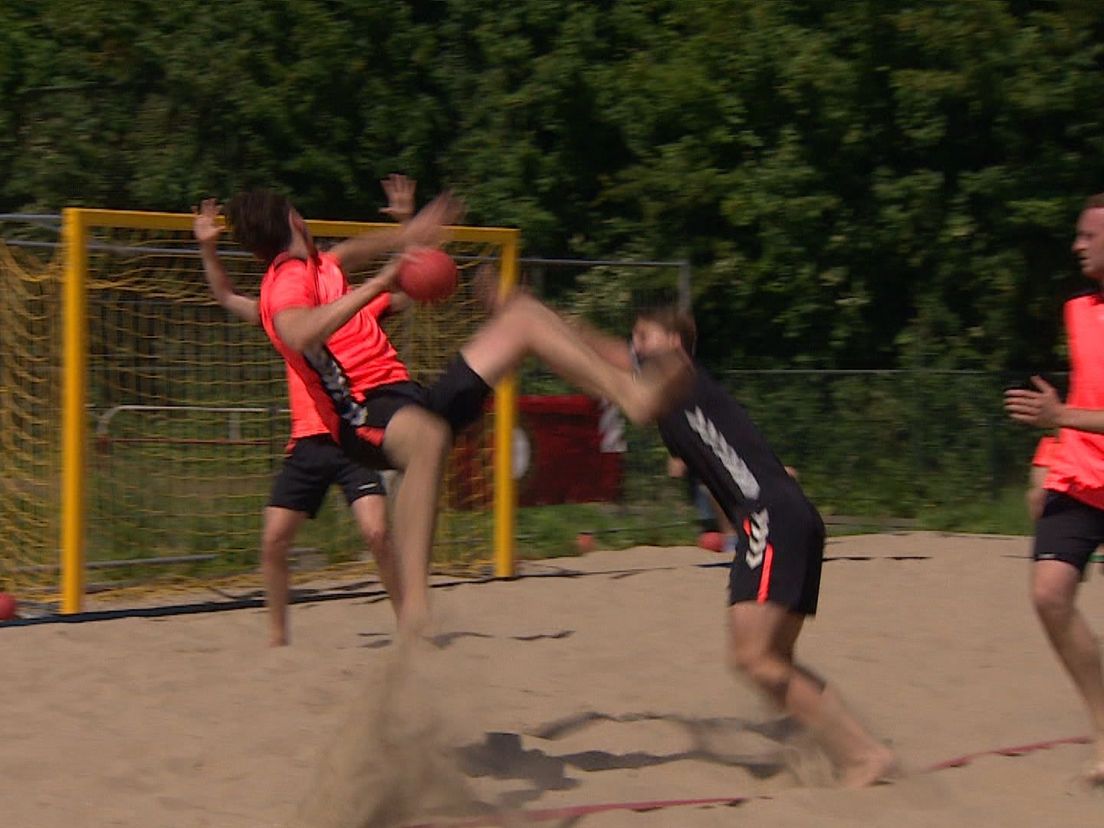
[859,183]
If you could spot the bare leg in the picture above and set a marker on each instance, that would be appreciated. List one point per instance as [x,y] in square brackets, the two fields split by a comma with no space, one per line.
[785,635]
[1053,590]
[524,326]
[371,516]
[417,442]
[762,639]
[280,528]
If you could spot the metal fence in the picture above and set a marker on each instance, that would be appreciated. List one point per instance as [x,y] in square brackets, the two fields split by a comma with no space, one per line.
[928,445]
[904,443]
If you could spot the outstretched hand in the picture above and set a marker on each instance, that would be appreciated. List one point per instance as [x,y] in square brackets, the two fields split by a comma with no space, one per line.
[207,228]
[1040,407]
[400,197]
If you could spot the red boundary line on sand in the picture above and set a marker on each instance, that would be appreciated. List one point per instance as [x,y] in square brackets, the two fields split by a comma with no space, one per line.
[1014,750]
[576,811]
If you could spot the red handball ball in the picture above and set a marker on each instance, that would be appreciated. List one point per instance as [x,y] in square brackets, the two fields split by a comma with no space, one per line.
[584,543]
[427,274]
[713,541]
[8,607]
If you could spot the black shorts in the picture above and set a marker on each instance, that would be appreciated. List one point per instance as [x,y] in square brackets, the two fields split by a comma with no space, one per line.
[1068,531]
[457,397]
[779,554]
[315,463]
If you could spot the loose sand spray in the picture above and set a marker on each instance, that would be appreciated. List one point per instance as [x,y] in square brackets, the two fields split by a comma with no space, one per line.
[391,764]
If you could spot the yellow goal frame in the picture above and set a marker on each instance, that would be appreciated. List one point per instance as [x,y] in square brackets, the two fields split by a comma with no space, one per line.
[77,222]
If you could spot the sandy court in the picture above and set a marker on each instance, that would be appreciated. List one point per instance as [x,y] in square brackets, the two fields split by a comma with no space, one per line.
[557,691]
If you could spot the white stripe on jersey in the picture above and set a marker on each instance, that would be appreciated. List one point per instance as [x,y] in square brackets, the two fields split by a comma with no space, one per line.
[734,464]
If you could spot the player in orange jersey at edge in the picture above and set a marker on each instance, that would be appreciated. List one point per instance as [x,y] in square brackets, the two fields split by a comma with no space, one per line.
[1071,525]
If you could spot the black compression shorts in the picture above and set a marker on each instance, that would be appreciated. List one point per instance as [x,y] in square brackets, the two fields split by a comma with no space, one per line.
[314,464]
[1068,531]
[457,396]
[778,559]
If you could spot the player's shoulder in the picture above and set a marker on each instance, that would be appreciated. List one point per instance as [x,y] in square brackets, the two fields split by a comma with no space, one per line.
[286,265]
[1082,311]
[705,397]
[329,269]
[702,373]
[327,258]
[288,282]
[1089,297]
[705,384]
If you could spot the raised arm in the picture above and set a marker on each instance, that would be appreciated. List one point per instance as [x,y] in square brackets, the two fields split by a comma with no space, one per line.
[1043,408]
[612,349]
[400,206]
[426,228]
[207,230]
[400,197]
[304,329]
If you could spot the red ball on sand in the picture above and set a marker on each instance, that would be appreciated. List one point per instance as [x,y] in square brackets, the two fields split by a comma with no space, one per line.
[8,606]
[713,541]
[584,542]
[427,274]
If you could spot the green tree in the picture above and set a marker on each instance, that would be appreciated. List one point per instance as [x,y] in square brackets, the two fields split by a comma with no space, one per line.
[857,182]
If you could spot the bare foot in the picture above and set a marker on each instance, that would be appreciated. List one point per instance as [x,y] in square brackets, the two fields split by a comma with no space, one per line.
[663,383]
[413,623]
[1094,776]
[870,769]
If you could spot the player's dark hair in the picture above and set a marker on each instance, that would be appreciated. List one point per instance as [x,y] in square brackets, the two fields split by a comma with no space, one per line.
[1094,202]
[673,320]
[259,222]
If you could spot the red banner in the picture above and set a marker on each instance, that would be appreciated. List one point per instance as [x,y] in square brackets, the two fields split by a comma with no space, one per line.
[567,449]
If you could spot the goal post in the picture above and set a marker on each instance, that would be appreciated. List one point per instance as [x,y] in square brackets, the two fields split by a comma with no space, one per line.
[74,371]
[505,492]
[142,261]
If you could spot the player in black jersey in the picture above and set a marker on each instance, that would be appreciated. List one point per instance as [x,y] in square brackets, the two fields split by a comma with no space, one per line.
[775,576]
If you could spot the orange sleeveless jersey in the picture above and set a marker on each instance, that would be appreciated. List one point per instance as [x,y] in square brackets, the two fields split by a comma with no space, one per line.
[1077,468]
[360,347]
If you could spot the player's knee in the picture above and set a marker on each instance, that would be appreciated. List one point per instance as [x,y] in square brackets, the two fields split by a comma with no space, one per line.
[519,310]
[275,544]
[767,672]
[376,538]
[518,302]
[1050,601]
